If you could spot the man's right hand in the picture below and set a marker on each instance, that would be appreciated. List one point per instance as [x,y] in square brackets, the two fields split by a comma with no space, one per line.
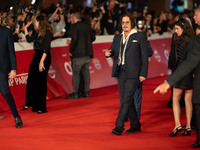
[107,53]
[162,88]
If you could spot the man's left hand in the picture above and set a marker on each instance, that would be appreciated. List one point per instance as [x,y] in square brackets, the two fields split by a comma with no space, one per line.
[142,78]
[12,74]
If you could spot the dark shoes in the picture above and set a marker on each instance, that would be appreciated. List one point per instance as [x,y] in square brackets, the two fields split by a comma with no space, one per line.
[187,132]
[86,94]
[80,95]
[18,122]
[133,130]
[196,145]
[41,112]
[25,108]
[176,131]
[72,96]
[117,131]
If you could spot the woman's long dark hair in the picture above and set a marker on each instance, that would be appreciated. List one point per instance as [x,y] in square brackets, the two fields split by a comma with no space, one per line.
[43,25]
[185,24]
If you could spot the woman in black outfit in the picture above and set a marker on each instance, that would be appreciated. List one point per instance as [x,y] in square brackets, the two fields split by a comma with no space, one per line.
[181,44]
[36,89]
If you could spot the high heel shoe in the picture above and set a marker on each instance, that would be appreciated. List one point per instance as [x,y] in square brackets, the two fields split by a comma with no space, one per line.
[25,108]
[175,131]
[187,132]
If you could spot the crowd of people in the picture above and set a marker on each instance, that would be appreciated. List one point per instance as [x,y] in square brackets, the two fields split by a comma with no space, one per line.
[130,50]
[102,17]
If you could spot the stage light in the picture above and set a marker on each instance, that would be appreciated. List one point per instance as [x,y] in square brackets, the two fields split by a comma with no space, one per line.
[11,8]
[33,2]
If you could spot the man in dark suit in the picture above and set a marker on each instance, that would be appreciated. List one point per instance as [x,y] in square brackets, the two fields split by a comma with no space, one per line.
[8,66]
[81,52]
[130,66]
[191,63]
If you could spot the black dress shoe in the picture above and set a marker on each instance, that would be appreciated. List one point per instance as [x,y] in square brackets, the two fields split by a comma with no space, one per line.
[41,112]
[18,122]
[133,130]
[86,94]
[72,96]
[25,108]
[117,131]
[196,145]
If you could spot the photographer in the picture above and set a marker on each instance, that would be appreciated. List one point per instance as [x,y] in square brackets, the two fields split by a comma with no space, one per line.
[57,21]
[111,17]
[19,35]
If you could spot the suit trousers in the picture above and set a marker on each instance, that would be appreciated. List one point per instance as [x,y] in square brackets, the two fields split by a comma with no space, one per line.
[81,64]
[138,99]
[127,88]
[5,91]
[197,121]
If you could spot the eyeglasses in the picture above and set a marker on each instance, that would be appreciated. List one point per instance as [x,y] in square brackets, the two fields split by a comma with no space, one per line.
[127,22]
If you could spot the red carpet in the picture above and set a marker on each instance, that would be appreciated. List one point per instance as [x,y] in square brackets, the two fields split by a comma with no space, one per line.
[86,124]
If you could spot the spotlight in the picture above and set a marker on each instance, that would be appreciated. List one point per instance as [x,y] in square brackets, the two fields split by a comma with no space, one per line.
[33,2]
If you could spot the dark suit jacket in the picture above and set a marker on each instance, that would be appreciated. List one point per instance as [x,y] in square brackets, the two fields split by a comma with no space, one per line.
[191,63]
[82,37]
[7,51]
[136,56]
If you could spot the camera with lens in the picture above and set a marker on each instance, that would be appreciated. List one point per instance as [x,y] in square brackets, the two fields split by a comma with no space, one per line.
[31,10]
[139,24]
[61,5]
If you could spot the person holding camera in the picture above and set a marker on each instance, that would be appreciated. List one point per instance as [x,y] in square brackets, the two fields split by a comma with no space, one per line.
[57,21]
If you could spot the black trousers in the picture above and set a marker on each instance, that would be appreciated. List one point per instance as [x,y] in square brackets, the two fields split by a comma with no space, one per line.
[197,121]
[127,88]
[5,91]
[138,99]
[81,64]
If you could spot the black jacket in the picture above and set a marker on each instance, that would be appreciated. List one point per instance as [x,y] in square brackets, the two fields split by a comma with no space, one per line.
[7,51]
[136,56]
[192,62]
[82,37]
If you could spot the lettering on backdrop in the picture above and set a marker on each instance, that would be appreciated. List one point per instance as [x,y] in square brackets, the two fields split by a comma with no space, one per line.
[18,80]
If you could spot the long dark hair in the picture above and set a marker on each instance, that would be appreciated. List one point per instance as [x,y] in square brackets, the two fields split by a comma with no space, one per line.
[43,25]
[185,24]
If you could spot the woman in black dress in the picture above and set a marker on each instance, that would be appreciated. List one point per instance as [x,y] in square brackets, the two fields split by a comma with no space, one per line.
[36,89]
[181,44]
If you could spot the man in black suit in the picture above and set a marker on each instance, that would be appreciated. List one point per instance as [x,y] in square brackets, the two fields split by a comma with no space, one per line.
[81,52]
[8,66]
[130,66]
[191,63]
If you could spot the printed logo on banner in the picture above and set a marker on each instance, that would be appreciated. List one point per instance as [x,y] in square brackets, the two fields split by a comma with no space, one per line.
[52,73]
[97,64]
[109,59]
[166,53]
[68,68]
[157,56]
